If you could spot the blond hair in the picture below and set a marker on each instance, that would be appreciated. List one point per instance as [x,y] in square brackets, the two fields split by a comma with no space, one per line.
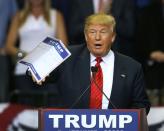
[27,10]
[100,18]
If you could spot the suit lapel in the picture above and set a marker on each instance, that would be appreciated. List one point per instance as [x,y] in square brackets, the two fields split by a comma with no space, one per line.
[118,82]
[83,78]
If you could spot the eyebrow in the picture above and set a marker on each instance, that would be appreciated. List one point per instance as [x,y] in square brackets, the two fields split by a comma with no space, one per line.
[97,30]
[100,30]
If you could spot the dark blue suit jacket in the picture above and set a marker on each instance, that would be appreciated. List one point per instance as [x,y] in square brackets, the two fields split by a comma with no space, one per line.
[73,77]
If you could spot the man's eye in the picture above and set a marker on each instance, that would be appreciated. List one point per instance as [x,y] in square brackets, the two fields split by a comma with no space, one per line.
[92,31]
[104,31]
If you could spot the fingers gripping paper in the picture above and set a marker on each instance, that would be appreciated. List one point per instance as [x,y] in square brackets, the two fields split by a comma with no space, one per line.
[49,54]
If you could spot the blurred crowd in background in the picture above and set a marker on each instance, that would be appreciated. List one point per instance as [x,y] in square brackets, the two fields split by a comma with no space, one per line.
[24,23]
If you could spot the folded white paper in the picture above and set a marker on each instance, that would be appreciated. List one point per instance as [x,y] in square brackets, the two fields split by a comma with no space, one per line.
[49,54]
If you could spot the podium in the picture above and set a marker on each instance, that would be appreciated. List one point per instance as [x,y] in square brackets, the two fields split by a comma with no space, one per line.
[92,119]
[143,120]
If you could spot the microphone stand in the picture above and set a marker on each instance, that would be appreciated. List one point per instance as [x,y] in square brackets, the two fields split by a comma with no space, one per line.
[93,70]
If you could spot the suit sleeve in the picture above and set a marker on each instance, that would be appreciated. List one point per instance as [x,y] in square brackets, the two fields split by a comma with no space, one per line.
[140,98]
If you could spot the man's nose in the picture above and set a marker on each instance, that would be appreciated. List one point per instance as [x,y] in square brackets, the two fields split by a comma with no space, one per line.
[98,36]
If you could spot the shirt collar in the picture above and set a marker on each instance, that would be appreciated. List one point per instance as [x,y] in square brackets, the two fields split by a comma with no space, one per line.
[104,58]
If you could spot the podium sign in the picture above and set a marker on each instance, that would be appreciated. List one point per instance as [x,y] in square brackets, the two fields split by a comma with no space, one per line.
[89,120]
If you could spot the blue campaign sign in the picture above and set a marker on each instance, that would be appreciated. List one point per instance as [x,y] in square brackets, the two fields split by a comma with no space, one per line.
[89,120]
[57,44]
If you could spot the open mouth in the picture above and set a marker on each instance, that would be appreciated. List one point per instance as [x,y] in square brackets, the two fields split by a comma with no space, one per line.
[98,46]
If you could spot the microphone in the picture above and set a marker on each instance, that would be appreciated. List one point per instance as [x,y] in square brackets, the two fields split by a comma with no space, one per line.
[94,70]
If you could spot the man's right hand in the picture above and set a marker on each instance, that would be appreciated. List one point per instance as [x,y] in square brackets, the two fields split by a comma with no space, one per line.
[39,83]
[28,73]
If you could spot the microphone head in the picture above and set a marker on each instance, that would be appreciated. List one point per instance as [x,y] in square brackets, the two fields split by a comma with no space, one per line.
[94,69]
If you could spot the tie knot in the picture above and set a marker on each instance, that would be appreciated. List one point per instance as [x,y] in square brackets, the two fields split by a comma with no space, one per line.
[98,60]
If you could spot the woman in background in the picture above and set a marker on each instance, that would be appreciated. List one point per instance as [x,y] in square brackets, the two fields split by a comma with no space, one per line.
[31,25]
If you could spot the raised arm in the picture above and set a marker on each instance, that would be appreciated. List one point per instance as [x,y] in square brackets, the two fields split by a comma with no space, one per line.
[61,30]
[12,36]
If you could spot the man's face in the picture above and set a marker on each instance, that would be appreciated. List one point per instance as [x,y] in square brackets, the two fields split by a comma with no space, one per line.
[99,39]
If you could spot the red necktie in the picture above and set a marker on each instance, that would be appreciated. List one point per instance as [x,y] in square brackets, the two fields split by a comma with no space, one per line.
[96,87]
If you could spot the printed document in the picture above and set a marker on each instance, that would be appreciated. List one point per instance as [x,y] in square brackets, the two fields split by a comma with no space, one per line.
[48,55]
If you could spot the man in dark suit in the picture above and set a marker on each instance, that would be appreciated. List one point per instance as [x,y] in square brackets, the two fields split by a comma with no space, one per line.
[123,84]
[124,13]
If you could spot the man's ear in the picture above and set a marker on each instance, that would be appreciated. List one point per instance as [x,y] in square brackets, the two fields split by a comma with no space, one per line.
[85,37]
[113,38]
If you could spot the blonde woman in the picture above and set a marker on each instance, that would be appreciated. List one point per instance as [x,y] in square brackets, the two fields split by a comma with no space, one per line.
[31,25]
